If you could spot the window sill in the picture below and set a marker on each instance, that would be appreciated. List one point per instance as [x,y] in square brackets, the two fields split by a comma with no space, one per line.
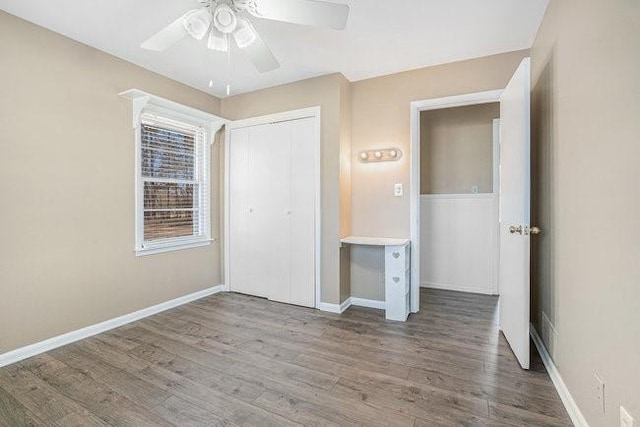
[170,247]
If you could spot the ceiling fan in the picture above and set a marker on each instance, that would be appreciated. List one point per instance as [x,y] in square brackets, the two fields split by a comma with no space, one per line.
[222,20]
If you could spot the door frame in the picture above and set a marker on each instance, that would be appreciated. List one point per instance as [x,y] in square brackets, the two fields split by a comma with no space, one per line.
[304,113]
[417,107]
[496,207]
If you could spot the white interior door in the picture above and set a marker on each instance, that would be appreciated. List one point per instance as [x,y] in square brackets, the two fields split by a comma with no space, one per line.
[269,182]
[272,210]
[302,213]
[515,212]
[259,196]
[245,280]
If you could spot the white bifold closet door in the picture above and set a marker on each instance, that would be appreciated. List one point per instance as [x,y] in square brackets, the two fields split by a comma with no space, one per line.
[272,211]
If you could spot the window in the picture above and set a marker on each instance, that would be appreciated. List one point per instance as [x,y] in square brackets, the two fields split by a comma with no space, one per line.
[173,184]
[173,145]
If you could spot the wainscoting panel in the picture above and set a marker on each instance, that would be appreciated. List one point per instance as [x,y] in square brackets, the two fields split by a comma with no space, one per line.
[459,242]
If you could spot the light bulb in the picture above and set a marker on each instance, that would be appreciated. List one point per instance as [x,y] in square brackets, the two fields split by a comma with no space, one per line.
[210,83]
[228,90]
[224,18]
[364,155]
[217,40]
[245,34]
[393,153]
[197,24]
[378,154]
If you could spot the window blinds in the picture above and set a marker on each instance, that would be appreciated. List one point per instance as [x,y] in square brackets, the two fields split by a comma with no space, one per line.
[174,181]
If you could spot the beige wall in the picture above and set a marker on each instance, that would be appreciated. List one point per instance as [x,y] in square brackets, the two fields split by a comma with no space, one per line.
[456,149]
[381,119]
[586,148]
[67,178]
[345,186]
[331,94]
[367,272]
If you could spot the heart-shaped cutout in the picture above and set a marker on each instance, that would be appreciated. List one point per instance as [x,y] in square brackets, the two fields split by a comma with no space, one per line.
[396,279]
[396,255]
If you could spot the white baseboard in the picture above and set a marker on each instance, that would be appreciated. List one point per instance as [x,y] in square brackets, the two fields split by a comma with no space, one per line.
[335,308]
[73,336]
[548,334]
[358,302]
[485,290]
[569,404]
[370,303]
[329,308]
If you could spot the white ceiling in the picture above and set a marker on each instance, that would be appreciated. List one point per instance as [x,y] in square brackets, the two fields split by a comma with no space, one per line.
[382,37]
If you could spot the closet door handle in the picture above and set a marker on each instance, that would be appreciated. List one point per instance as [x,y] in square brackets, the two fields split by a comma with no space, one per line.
[288,212]
[250,210]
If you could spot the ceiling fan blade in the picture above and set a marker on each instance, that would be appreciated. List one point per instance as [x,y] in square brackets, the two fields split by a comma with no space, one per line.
[259,53]
[304,12]
[168,36]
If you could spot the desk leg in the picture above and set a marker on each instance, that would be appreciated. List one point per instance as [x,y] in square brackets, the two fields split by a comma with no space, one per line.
[397,280]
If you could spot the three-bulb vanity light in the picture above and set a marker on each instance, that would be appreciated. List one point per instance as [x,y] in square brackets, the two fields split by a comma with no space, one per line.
[381,155]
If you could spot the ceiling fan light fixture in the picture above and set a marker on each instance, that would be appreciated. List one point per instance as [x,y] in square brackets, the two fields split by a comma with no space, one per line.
[245,34]
[219,19]
[197,24]
[240,4]
[224,18]
[217,41]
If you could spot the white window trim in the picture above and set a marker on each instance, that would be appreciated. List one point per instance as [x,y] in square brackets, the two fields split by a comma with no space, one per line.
[146,103]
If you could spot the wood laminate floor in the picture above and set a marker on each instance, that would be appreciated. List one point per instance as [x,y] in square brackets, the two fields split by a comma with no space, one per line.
[231,359]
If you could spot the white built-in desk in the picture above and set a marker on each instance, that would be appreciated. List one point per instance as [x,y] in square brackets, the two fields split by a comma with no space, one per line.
[397,273]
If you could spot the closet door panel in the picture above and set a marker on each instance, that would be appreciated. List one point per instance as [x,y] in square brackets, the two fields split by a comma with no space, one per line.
[272,175]
[269,177]
[241,258]
[302,218]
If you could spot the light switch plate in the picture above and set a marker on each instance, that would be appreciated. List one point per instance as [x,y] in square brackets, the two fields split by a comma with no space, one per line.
[398,190]
[625,419]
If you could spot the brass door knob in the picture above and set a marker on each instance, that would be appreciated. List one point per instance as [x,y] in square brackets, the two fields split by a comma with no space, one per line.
[534,231]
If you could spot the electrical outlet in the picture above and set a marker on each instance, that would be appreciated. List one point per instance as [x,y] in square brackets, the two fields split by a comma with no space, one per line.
[598,389]
[625,419]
